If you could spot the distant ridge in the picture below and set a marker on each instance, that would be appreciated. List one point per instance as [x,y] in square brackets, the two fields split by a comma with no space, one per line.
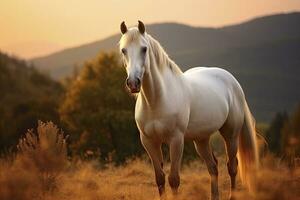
[263,53]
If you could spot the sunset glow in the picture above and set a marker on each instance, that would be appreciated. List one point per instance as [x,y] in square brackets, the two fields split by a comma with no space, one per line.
[32,28]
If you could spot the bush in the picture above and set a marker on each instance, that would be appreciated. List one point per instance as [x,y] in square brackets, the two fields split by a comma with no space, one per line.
[46,149]
[41,159]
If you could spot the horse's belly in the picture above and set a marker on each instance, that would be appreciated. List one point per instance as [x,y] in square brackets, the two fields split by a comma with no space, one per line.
[199,130]
[209,102]
[207,116]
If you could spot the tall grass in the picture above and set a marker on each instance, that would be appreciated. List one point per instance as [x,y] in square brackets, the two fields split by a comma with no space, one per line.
[41,170]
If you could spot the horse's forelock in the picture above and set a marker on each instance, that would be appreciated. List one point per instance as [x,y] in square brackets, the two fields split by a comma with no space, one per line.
[132,35]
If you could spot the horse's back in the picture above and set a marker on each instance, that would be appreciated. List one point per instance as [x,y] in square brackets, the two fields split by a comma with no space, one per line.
[214,78]
[213,93]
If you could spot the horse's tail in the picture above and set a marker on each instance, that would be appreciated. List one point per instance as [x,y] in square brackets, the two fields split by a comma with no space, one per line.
[248,151]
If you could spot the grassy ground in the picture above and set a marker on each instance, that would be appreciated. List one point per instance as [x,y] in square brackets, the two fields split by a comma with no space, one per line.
[41,170]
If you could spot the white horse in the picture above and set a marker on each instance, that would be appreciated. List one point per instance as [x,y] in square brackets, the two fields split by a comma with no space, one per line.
[172,106]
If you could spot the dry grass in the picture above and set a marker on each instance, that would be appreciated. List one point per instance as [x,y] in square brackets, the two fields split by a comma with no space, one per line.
[41,170]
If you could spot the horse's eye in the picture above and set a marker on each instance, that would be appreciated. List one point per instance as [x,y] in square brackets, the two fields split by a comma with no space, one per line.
[144,50]
[124,51]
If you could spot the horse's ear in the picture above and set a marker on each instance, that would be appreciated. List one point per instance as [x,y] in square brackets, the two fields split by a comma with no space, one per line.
[141,27]
[123,28]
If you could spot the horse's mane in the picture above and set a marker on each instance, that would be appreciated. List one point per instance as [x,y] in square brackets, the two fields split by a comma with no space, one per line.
[161,57]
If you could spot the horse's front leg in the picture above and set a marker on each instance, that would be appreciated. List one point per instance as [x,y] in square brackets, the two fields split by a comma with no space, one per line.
[176,151]
[153,149]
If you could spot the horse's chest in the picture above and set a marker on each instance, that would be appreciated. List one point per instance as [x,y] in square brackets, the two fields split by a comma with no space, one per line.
[158,127]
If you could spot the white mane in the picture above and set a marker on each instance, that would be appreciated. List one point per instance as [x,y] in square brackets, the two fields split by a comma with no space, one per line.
[161,57]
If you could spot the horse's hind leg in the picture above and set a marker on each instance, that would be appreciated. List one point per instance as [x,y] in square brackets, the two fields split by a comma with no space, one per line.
[204,150]
[231,140]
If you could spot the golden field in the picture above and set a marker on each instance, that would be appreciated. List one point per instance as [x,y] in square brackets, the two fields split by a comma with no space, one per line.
[42,170]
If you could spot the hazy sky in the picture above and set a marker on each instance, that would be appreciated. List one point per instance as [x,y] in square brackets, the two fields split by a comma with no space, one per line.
[30,28]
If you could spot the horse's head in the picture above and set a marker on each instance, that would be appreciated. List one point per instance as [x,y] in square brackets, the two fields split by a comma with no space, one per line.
[134,48]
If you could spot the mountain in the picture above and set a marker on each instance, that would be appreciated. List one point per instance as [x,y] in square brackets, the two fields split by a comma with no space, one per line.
[24,99]
[263,54]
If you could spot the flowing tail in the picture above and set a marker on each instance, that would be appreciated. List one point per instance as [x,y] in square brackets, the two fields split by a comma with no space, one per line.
[248,151]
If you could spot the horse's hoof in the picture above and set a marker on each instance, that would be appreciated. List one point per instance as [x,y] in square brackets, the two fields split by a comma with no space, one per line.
[215,197]
[174,192]
[163,196]
[232,197]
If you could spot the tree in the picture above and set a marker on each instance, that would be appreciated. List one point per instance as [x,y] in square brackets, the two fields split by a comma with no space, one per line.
[273,134]
[291,134]
[99,112]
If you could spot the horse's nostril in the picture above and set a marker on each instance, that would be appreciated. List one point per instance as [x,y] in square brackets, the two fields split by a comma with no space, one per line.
[127,81]
[138,81]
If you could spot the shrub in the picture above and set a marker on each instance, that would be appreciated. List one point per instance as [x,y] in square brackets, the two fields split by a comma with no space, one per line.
[35,170]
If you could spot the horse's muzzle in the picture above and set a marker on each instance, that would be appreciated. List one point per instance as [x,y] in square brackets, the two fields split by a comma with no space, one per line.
[133,85]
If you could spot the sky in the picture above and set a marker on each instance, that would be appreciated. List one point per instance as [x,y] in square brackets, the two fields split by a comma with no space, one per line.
[31,28]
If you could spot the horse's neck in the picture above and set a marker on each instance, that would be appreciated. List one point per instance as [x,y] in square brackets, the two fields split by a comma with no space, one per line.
[156,81]
[152,87]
